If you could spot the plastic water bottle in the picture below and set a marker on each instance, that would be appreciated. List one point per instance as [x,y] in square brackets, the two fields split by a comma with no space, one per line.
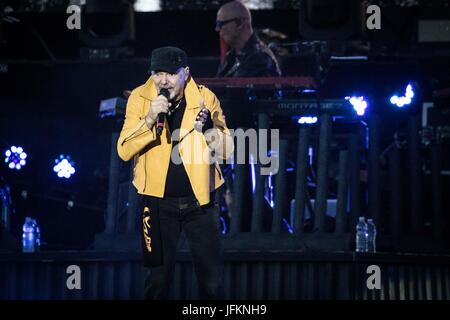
[28,236]
[361,236]
[372,235]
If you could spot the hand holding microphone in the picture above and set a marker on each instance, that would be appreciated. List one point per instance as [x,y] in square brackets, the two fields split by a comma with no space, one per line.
[162,115]
[158,110]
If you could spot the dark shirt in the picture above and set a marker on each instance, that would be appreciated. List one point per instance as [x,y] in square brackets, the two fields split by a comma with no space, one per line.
[177,182]
[254,60]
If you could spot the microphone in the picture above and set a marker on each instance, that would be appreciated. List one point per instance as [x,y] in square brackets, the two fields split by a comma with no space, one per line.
[161,115]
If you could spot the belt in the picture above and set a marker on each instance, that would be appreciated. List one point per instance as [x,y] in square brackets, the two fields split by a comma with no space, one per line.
[182,202]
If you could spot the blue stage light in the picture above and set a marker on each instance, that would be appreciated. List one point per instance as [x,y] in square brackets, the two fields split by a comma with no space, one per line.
[64,167]
[307,120]
[15,158]
[223,225]
[253,172]
[359,104]
[288,226]
[406,99]
[409,91]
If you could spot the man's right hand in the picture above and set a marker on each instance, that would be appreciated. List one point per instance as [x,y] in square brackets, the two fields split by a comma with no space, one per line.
[160,104]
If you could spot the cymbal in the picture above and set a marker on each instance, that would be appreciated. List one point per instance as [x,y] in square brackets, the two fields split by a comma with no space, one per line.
[273,33]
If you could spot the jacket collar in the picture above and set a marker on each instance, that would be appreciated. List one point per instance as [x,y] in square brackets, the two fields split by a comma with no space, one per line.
[191,92]
[250,46]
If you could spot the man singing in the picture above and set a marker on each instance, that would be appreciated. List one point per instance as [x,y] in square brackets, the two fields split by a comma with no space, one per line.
[171,123]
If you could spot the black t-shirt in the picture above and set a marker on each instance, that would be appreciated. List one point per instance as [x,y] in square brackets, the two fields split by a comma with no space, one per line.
[177,182]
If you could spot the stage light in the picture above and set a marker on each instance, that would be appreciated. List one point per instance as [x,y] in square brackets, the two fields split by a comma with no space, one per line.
[290,166]
[147,6]
[409,91]
[15,158]
[268,194]
[307,120]
[288,226]
[253,173]
[64,167]
[331,20]
[70,204]
[394,99]
[310,155]
[106,28]
[404,100]
[359,104]
[223,225]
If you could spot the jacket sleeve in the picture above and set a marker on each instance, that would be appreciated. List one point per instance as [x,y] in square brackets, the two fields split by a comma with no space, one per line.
[135,134]
[224,147]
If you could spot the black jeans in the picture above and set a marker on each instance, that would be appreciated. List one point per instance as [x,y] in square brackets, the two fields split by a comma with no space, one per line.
[201,226]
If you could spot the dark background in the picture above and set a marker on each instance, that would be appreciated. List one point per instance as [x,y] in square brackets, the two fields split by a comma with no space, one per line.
[49,97]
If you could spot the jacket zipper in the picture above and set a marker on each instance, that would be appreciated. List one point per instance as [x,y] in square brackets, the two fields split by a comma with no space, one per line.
[145,171]
[131,135]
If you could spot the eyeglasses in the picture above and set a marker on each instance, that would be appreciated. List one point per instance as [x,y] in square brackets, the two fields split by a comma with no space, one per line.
[221,23]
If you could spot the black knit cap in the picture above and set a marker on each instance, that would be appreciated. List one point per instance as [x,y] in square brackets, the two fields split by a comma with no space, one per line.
[168,59]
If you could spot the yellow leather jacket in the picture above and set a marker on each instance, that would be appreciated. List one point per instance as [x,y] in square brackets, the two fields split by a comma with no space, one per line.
[152,153]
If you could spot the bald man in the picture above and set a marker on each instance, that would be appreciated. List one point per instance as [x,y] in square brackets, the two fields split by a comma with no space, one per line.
[248,56]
